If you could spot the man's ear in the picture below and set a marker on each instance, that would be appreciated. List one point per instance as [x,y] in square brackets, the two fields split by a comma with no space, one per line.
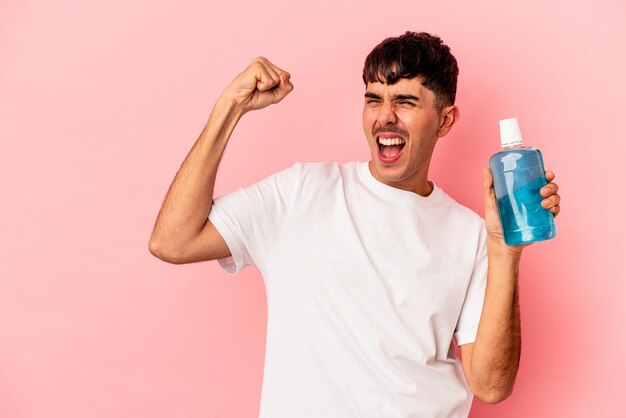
[448,116]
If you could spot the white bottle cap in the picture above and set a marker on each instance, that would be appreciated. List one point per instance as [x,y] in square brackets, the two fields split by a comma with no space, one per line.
[510,133]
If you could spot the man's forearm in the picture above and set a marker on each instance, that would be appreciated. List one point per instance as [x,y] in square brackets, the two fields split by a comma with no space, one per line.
[496,351]
[189,198]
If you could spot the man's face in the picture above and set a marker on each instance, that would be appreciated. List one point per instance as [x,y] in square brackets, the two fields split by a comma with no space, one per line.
[402,126]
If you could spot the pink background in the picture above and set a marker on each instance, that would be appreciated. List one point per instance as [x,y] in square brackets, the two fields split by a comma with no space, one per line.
[101,101]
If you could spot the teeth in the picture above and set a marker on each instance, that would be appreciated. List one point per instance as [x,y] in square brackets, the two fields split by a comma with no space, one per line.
[391,141]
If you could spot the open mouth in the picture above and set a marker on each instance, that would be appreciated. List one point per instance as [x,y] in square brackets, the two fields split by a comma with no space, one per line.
[390,148]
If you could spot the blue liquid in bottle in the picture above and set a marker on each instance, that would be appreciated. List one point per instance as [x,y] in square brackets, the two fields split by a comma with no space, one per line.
[518,175]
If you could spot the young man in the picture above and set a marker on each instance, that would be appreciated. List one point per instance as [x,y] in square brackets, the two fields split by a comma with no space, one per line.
[370,269]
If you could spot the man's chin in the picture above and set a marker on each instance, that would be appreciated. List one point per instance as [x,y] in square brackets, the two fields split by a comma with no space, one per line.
[387,173]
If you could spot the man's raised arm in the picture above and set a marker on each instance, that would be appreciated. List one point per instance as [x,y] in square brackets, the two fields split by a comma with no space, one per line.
[182,232]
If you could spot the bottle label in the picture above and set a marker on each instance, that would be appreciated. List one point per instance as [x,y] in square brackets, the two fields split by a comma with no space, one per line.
[511,142]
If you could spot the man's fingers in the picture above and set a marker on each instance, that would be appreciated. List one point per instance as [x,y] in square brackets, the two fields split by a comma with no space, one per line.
[490,195]
[280,76]
[285,77]
[487,179]
[284,88]
[266,77]
[271,77]
[549,189]
[260,85]
[265,80]
[552,201]
[275,68]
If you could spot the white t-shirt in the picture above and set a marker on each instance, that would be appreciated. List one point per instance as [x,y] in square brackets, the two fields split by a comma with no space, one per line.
[366,286]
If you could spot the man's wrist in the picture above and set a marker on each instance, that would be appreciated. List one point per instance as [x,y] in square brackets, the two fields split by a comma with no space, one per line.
[228,106]
[497,249]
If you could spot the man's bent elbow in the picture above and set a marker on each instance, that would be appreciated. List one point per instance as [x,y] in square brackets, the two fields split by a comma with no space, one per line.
[494,395]
[160,252]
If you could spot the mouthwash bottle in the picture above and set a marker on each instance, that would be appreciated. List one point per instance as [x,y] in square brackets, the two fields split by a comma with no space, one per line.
[518,175]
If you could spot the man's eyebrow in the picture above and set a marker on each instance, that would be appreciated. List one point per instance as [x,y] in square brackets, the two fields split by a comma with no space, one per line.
[406,97]
[371,95]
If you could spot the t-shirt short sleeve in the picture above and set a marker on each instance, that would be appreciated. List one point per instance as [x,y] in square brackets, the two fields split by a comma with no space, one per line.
[467,326]
[250,219]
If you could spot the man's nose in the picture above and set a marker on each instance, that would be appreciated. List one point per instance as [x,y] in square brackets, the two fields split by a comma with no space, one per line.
[387,114]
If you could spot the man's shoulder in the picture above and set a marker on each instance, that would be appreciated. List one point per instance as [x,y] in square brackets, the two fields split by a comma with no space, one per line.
[462,211]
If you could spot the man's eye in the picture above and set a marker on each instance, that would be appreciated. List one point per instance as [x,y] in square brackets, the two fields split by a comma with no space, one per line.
[404,102]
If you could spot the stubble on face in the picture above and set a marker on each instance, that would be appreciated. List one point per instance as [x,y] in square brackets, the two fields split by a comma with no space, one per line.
[405,108]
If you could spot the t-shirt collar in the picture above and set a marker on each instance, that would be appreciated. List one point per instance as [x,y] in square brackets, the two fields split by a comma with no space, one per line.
[378,187]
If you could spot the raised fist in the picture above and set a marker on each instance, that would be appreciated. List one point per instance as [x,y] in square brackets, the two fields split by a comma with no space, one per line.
[259,85]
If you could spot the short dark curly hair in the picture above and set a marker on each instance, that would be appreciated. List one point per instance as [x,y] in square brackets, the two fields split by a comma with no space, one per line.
[415,54]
